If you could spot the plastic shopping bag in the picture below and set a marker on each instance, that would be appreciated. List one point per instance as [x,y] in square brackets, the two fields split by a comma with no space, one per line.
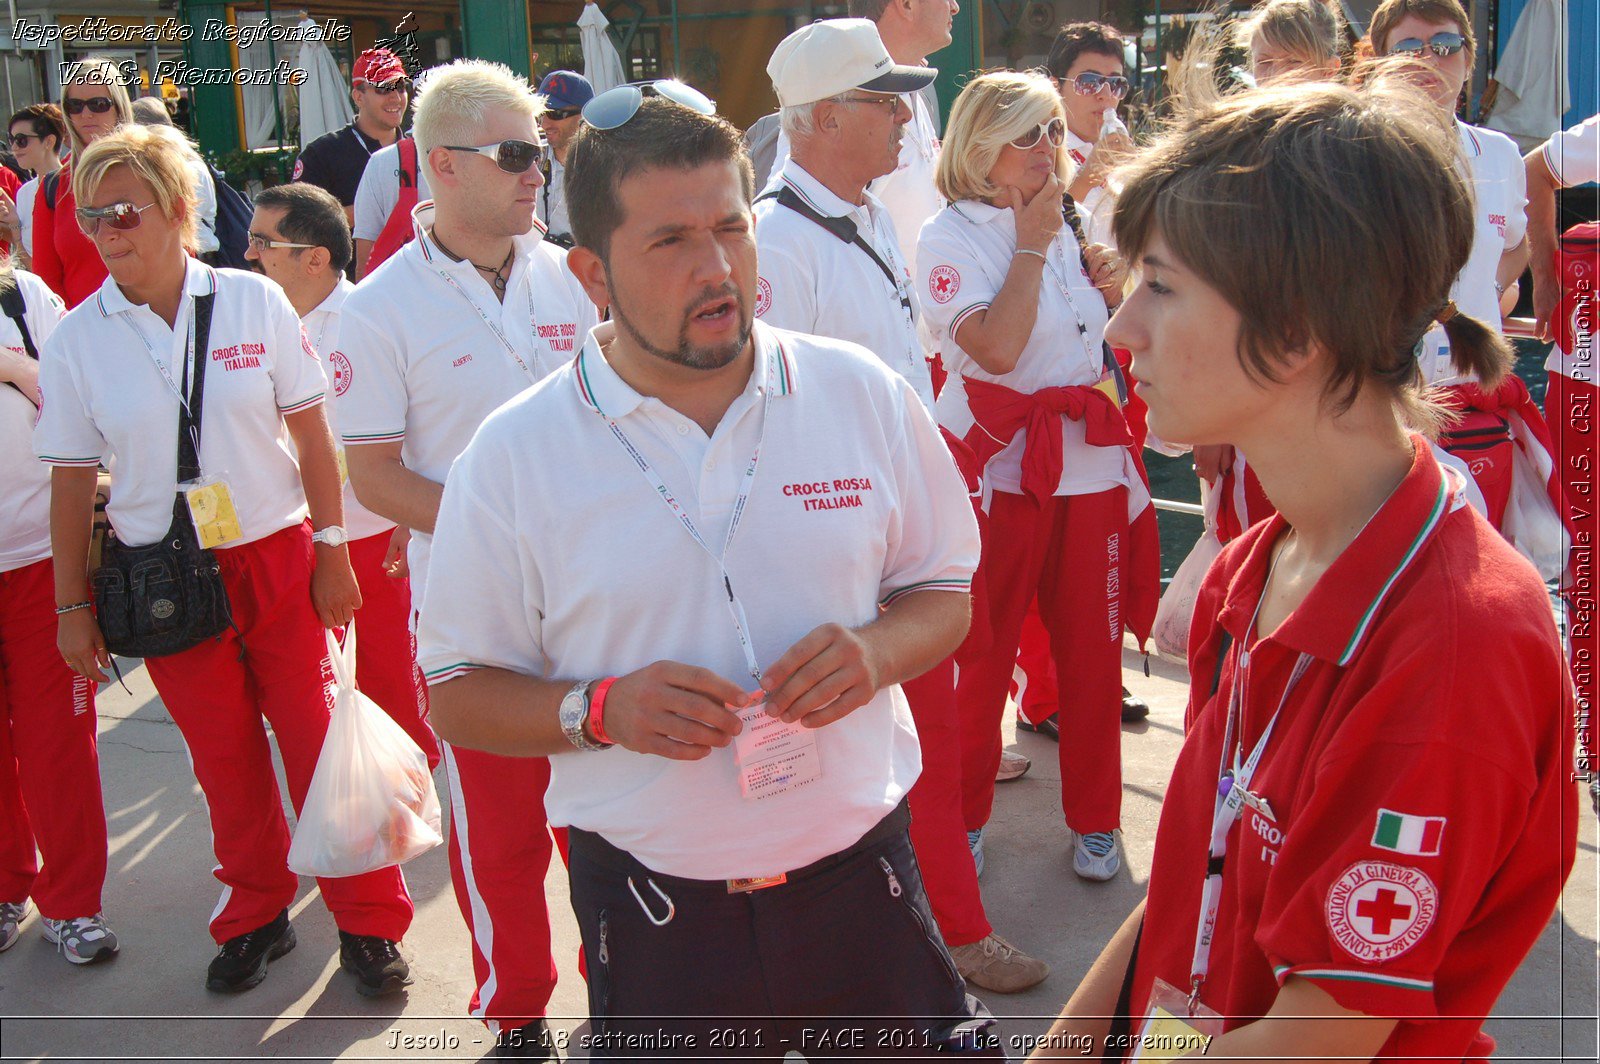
[371,802]
[1176,611]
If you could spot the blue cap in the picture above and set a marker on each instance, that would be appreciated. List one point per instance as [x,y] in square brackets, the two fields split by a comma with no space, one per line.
[565,89]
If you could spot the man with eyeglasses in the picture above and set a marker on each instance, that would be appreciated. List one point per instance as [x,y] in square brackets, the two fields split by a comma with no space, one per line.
[565,92]
[473,311]
[335,161]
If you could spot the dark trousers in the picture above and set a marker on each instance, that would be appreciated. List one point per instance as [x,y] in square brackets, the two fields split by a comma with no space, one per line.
[844,960]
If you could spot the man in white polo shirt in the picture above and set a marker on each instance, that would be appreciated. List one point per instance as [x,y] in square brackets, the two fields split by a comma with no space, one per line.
[830,264]
[300,239]
[734,751]
[473,311]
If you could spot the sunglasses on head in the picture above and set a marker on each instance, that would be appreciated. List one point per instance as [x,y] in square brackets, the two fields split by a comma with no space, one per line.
[563,114]
[1088,83]
[512,156]
[98,104]
[1055,129]
[389,88]
[616,107]
[120,216]
[1440,44]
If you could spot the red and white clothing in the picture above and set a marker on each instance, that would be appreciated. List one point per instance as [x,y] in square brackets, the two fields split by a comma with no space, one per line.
[1422,818]
[50,800]
[429,387]
[63,257]
[108,398]
[909,193]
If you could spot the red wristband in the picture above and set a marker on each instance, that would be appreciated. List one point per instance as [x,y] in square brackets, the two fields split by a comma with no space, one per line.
[597,709]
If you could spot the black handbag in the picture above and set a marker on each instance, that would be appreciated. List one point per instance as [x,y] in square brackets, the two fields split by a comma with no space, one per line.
[167,596]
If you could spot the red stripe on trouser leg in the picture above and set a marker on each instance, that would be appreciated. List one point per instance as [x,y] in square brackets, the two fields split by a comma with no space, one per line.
[386,649]
[1033,681]
[49,770]
[938,833]
[1068,553]
[1570,411]
[218,702]
[499,853]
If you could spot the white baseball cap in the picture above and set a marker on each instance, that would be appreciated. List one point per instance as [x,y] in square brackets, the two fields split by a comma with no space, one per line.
[836,55]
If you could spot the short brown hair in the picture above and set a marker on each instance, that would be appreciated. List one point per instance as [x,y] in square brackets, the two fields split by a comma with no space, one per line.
[1076,38]
[310,216]
[1392,11]
[1264,192]
[662,136]
[46,120]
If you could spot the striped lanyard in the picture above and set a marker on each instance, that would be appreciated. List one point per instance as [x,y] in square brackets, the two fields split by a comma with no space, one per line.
[1060,278]
[741,624]
[161,367]
[499,334]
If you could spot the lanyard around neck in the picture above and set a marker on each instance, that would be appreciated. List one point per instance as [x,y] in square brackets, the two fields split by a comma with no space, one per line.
[1059,277]
[741,623]
[534,374]
[161,367]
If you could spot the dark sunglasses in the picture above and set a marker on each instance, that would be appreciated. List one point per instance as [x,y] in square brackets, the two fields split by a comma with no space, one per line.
[1440,44]
[1088,83]
[122,216]
[512,156]
[1055,129]
[616,107]
[22,140]
[392,87]
[563,114]
[98,104]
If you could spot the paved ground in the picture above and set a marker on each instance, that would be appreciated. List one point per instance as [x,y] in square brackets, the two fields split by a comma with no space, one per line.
[150,1002]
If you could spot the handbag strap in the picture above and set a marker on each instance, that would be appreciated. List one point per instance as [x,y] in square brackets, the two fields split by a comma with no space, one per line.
[189,413]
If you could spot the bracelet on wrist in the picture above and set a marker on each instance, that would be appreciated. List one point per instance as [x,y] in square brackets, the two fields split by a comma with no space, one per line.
[597,710]
[1029,251]
[60,610]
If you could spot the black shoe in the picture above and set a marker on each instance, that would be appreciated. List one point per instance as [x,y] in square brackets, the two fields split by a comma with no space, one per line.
[531,1041]
[1050,727]
[379,969]
[241,963]
[1134,708]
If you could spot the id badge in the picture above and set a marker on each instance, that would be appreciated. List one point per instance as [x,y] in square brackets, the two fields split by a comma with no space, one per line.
[774,757]
[1168,1031]
[211,508]
[344,466]
[1109,386]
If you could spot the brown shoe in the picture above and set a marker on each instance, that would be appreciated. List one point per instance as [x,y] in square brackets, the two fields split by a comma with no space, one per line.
[1013,766]
[997,965]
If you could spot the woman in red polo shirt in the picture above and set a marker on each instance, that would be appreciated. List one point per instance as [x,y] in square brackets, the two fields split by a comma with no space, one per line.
[1371,818]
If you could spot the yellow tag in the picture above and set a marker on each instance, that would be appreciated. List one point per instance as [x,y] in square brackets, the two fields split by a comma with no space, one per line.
[215,519]
[1166,1037]
[344,467]
[1109,386]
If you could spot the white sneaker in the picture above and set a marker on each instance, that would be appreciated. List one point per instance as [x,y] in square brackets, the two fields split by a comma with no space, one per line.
[1094,856]
[11,916]
[82,939]
[975,844]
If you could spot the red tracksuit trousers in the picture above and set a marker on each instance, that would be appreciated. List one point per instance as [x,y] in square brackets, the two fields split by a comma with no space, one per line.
[1570,409]
[275,666]
[386,647]
[1067,552]
[49,770]
[938,829]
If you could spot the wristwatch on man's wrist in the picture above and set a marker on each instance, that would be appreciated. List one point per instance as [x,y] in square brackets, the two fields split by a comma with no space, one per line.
[575,708]
[333,536]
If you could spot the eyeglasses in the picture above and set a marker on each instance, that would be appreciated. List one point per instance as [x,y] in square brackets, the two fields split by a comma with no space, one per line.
[616,107]
[121,217]
[512,156]
[98,104]
[889,100]
[262,243]
[1088,83]
[563,114]
[1440,44]
[1055,129]
[22,140]
[390,88]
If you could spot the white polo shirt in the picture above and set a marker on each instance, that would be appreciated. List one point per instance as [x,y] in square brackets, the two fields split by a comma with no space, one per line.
[322,326]
[552,199]
[1573,156]
[105,399]
[427,365]
[24,480]
[1500,186]
[379,191]
[962,261]
[553,547]
[813,282]
[1099,204]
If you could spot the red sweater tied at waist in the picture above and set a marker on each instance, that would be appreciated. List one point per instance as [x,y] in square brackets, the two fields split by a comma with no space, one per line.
[1001,412]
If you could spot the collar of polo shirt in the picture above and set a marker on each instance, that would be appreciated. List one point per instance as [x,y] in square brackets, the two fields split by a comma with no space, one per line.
[823,200]
[198,279]
[422,225]
[601,388]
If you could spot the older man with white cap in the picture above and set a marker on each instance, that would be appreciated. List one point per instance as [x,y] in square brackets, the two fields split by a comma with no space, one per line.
[830,264]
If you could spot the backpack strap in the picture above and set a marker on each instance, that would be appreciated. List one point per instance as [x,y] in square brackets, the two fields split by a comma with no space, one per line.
[407,149]
[51,185]
[15,308]
[843,228]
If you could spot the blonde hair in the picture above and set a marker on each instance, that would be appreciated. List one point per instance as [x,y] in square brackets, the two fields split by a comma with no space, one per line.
[1310,30]
[1258,194]
[992,111]
[159,156]
[99,71]
[453,100]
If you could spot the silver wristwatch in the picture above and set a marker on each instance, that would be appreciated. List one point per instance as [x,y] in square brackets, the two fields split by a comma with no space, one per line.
[333,536]
[575,715]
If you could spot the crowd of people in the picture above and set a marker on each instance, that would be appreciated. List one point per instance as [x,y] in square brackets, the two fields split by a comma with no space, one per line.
[703,531]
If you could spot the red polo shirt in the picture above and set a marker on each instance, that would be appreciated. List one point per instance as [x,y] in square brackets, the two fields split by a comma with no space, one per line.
[1419,777]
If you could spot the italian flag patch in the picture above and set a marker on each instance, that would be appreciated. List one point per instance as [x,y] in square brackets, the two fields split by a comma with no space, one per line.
[1418,836]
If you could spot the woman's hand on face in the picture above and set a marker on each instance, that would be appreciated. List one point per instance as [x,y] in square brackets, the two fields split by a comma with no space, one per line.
[1040,219]
[1107,272]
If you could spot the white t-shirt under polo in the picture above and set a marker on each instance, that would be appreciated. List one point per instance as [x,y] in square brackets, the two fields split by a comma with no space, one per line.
[556,558]
[813,282]
[24,480]
[426,363]
[322,326]
[962,261]
[379,191]
[105,399]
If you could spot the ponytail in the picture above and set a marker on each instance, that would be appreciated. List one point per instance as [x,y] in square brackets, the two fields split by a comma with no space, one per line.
[1478,350]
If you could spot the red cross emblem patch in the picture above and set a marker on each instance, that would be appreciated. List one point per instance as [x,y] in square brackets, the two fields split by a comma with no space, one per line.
[1377,911]
[943,283]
